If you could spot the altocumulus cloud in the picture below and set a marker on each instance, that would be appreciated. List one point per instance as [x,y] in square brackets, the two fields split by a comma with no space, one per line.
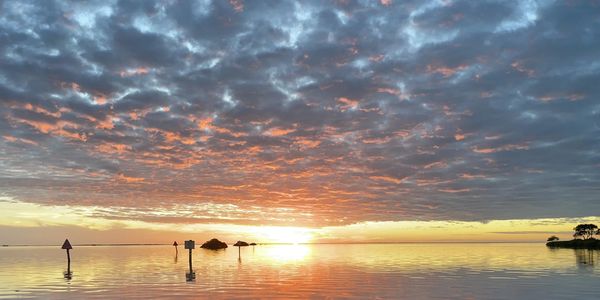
[313,112]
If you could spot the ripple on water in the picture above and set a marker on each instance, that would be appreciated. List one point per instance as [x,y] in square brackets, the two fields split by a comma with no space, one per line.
[490,271]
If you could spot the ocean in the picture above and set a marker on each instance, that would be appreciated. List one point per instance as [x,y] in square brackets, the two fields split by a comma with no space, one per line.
[316,271]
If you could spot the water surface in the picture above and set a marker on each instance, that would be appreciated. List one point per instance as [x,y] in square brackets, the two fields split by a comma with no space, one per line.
[415,271]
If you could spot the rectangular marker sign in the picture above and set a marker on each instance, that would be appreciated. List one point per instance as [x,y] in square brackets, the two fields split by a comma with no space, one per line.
[190,244]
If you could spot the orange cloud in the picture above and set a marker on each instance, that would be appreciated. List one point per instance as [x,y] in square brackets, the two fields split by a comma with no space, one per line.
[402,133]
[112,148]
[454,190]
[132,72]
[20,140]
[471,176]
[517,65]
[445,71]
[41,110]
[387,179]
[10,138]
[71,135]
[128,179]
[134,115]
[376,58]
[553,97]
[382,140]
[172,137]
[278,131]
[106,123]
[428,182]
[305,143]
[205,123]
[436,165]
[547,98]
[100,99]
[395,92]
[57,129]
[224,130]
[348,103]
[238,5]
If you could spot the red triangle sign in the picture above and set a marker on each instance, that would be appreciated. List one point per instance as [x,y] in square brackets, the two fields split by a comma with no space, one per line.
[67,245]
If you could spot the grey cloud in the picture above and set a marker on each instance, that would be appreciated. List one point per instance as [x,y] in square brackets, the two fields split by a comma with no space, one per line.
[350,110]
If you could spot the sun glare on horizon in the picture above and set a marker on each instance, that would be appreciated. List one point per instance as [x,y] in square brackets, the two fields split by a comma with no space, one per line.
[284,235]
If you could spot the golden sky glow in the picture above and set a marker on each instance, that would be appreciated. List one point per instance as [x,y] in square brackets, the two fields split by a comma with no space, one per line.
[73,219]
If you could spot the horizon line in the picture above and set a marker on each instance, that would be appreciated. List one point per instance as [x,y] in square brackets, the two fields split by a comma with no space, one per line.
[268,244]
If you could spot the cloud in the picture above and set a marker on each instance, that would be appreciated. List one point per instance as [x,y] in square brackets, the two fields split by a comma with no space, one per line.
[339,112]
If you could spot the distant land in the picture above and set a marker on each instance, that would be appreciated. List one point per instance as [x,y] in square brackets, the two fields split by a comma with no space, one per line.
[576,244]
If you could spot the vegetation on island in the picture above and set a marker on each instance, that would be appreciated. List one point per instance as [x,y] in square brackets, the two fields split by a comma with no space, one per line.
[214,244]
[583,238]
[241,244]
[586,231]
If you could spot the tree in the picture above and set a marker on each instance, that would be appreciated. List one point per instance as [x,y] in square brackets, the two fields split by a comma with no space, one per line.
[586,231]
[553,238]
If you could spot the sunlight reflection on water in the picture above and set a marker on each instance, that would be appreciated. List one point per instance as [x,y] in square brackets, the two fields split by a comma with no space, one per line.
[489,271]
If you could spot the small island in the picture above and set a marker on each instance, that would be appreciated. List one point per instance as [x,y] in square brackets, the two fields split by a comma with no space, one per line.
[214,244]
[583,238]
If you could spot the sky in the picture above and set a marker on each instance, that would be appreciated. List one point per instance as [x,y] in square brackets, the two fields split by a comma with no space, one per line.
[308,121]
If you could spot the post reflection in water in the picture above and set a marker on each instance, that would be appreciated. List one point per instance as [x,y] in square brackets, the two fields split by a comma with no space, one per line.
[68,275]
[586,258]
[420,271]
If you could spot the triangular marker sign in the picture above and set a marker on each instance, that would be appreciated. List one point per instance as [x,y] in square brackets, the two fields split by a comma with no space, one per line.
[67,245]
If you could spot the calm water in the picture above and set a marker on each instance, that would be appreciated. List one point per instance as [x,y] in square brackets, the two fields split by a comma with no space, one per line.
[412,271]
